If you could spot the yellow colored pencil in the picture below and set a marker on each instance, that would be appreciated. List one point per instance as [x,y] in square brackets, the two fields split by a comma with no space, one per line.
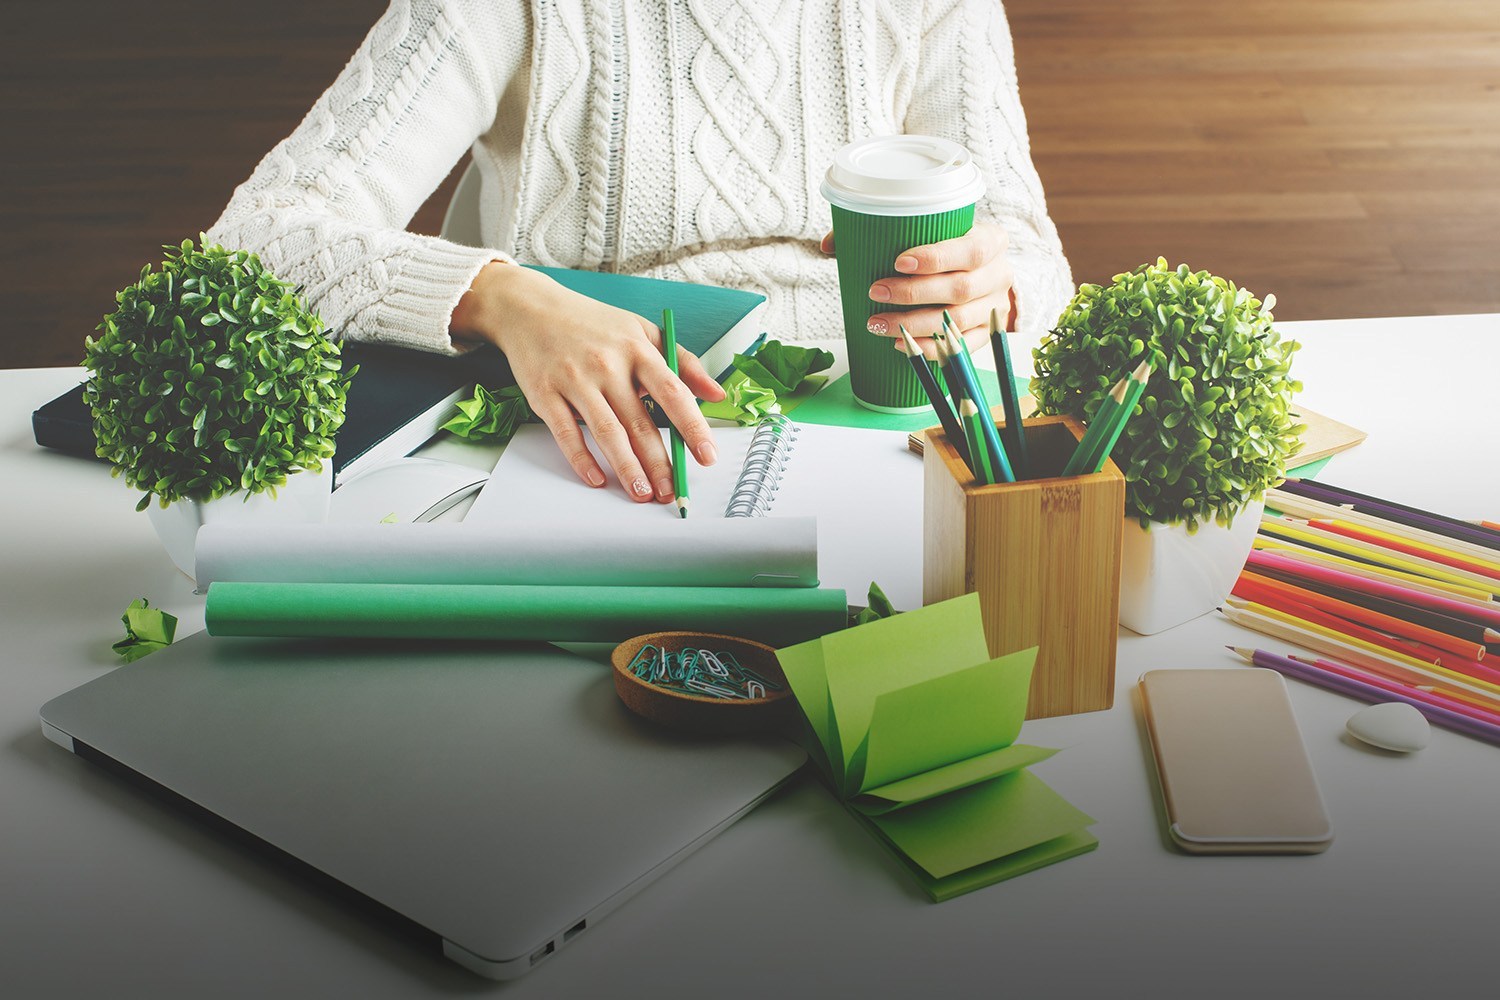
[1388,663]
[1295,506]
[1385,557]
[1395,538]
[1425,584]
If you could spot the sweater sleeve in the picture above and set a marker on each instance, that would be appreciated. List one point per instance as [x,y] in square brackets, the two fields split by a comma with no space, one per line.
[966,90]
[327,207]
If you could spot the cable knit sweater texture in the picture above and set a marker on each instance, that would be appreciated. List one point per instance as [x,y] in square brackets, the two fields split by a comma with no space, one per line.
[680,139]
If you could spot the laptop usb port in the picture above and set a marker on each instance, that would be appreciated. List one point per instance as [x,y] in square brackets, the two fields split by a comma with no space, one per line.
[575,930]
[541,953]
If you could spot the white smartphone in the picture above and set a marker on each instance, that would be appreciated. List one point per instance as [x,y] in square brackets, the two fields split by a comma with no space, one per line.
[1234,772]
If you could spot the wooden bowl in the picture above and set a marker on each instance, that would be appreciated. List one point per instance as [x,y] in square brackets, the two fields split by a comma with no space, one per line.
[704,713]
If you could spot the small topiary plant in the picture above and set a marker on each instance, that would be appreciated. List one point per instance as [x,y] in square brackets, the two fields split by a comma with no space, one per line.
[212,376]
[1213,429]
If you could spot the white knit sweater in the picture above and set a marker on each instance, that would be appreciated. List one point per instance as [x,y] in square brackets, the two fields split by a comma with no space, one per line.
[680,139]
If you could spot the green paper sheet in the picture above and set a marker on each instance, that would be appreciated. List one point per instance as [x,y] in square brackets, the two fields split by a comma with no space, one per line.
[949,778]
[941,890]
[836,405]
[978,824]
[914,726]
[944,720]
[776,616]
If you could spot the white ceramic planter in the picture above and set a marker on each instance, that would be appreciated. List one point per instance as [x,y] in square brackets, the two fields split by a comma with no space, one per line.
[1168,576]
[304,498]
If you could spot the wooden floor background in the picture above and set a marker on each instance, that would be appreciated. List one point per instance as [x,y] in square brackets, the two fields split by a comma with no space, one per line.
[1344,154]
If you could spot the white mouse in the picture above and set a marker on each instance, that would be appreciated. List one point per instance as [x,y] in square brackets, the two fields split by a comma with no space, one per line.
[1393,725]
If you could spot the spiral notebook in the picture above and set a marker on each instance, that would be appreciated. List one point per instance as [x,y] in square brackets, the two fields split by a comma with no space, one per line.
[863,486]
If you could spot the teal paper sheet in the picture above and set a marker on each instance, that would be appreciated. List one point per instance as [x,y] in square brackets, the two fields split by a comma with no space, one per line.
[776,617]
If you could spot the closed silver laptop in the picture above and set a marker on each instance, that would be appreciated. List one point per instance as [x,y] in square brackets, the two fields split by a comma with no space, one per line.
[496,796]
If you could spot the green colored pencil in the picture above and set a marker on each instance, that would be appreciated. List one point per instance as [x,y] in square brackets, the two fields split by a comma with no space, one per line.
[1014,434]
[964,366]
[1098,427]
[1120,417]
[679,448]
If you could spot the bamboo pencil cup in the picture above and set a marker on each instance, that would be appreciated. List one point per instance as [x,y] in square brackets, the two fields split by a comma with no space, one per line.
[1044,555]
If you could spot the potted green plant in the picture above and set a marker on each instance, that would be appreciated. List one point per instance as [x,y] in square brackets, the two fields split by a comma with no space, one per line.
[215,391]
[1211,432]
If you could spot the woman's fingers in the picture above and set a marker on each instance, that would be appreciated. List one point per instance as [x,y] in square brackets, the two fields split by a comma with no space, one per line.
[696,377]
[983,243]
[677,402]
[949,287]
[562,422]
[618,443]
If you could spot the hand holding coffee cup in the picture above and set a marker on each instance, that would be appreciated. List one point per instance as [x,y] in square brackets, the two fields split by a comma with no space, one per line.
[907,199]
[967,276]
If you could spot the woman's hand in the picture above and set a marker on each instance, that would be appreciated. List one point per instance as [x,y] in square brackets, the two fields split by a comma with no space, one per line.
[968,276]
[575,358]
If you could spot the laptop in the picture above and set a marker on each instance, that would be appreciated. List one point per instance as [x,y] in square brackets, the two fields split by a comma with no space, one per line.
[497,798]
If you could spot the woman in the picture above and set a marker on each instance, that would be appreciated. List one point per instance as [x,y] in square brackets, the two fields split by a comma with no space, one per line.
[681,139]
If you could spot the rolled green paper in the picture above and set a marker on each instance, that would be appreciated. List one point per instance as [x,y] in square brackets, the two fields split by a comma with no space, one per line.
[889,194]
[777,617]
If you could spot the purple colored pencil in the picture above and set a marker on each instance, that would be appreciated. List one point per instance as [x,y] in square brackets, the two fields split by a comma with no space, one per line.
[1412,517]
[1436,714]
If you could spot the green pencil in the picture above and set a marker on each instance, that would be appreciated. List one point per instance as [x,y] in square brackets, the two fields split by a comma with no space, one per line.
[1120,417]
[679,449]
[1014,435]
[1098,427]
[974,421]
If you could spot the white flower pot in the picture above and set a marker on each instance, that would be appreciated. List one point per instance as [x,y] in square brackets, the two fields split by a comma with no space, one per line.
[304,498]
[1168,576]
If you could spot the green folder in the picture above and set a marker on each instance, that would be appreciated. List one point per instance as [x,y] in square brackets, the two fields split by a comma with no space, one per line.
[775,616]
[914,726]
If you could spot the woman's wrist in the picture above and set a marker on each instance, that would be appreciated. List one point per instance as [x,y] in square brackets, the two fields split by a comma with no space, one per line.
[477,316]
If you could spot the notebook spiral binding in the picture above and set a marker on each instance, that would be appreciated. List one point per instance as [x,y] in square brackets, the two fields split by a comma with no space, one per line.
[760,477]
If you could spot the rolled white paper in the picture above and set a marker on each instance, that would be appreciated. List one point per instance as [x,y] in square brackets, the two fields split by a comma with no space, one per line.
[710,552]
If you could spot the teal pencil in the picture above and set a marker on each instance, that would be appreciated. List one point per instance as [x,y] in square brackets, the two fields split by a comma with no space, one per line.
[1014,435]
[1098,427]
[1121,417]
[679,449]
[970,378]
[974,421]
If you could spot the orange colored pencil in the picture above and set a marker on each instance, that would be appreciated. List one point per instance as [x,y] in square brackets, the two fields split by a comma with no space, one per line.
[1390,541]
[1386,623]
[1490,524]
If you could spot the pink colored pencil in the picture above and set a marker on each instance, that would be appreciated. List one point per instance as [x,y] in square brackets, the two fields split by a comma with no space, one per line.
[1375,680]
[1364,691]
[1365,585]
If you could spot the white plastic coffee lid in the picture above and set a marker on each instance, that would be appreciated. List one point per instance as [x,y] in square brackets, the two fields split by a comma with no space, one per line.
[902,174]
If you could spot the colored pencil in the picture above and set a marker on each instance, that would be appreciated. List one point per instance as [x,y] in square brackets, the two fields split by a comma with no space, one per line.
[974,421]
[1491,525]
[1307,553]
[1135,388]
[1014,434]
[1294,506]
[1374,619]
[679,448]
[935,396]
[1099,425]
[1366,691]
[1298,530]
[1364,653]
[969,378]
[1423,692]
[1380,587]
[1468,630]
[1392,511]
[1396,543]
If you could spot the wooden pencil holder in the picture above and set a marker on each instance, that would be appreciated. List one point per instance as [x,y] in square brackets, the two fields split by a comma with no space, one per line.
[1044,556]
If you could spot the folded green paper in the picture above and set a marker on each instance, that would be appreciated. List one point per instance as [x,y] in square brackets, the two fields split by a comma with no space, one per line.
[915,727]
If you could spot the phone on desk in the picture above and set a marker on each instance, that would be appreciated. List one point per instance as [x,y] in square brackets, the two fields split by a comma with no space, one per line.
[1235,776]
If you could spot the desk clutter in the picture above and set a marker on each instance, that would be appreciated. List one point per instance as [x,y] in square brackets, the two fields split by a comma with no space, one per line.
[1398,602]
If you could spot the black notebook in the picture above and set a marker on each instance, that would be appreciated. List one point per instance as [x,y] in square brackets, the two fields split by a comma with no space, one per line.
[400,398]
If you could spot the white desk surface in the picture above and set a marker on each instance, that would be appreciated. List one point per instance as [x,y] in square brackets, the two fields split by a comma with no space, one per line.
[105,892]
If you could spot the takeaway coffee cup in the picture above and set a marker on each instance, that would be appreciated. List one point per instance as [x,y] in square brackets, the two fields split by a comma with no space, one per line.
[888,194]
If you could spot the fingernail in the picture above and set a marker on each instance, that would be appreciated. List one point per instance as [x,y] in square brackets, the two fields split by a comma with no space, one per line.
[707,453]
[878,326]
[880,293]
[595,477]
[906,262]
[640,487]
[664,488]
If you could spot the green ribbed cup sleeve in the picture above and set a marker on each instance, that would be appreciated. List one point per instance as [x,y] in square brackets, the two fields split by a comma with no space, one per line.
[867,247]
